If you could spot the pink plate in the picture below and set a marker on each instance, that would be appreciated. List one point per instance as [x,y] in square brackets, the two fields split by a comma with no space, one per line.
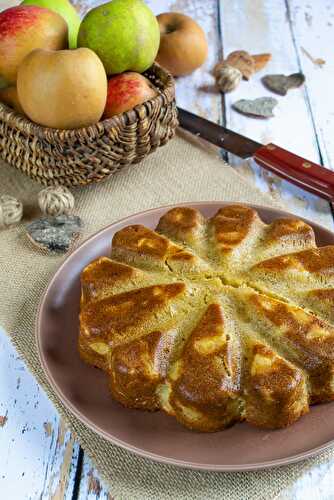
[84,391]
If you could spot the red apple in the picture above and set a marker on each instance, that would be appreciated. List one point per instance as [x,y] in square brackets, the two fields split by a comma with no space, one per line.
[127,90]
[23,29]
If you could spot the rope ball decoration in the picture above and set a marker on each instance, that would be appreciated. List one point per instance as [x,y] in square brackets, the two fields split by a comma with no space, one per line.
[54,201]
[11,211]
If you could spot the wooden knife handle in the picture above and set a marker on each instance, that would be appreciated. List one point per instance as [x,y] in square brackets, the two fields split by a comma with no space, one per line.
[294,168]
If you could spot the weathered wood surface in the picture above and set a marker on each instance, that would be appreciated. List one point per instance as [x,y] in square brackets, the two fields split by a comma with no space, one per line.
[260,26]
[39,458]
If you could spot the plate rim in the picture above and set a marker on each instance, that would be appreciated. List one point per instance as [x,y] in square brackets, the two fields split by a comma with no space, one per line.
[126,446]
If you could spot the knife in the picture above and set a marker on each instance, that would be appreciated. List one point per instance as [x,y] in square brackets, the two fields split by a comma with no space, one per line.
[303,173]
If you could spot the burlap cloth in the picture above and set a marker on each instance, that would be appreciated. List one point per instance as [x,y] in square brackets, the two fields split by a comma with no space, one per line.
[181,171]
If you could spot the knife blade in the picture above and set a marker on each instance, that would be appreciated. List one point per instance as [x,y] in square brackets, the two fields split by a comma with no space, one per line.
[303,173]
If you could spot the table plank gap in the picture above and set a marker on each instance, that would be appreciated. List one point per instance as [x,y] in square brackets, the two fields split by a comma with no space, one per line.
[223,121]
[78,475]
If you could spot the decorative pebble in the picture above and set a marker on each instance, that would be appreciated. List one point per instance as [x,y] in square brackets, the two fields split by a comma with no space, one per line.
[56,201]
[261,107]
[55,234]
[243,61]
[11,211]
[227,77]
[280,84]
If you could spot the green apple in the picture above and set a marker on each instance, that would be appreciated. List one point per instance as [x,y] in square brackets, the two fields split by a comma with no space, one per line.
[123,33]
[67,11]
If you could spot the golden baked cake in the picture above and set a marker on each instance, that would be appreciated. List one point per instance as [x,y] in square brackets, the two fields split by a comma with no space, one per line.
[213,321]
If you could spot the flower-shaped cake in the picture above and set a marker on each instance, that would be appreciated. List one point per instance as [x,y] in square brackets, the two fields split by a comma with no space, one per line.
[213,321]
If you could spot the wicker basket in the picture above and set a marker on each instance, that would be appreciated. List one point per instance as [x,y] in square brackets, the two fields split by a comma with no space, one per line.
[86,155]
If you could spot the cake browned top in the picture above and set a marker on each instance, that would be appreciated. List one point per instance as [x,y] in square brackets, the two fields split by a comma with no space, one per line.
[213,320]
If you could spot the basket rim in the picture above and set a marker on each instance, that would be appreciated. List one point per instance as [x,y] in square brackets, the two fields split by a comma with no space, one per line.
[29,128]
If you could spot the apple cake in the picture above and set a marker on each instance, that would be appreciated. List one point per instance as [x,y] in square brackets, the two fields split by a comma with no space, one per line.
[213,321]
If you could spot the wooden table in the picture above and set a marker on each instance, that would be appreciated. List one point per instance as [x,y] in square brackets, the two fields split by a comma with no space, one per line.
[39,458]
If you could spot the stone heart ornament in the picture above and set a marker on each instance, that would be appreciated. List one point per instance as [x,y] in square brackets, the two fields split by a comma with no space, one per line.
[280,84]
[262,107]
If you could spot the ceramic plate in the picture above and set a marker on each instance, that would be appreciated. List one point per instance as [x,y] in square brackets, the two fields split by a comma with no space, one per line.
[83,389]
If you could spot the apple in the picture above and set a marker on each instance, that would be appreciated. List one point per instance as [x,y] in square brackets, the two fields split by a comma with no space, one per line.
[123,33]
[65,9]
[127,90]
[24,28]
[62,89]
[183,45]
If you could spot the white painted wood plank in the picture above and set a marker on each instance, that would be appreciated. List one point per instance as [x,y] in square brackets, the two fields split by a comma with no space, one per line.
[38,454]
[313,27]
[263,26]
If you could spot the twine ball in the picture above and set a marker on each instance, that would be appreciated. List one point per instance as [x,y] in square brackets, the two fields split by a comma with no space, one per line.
[11,210]
[56,201]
